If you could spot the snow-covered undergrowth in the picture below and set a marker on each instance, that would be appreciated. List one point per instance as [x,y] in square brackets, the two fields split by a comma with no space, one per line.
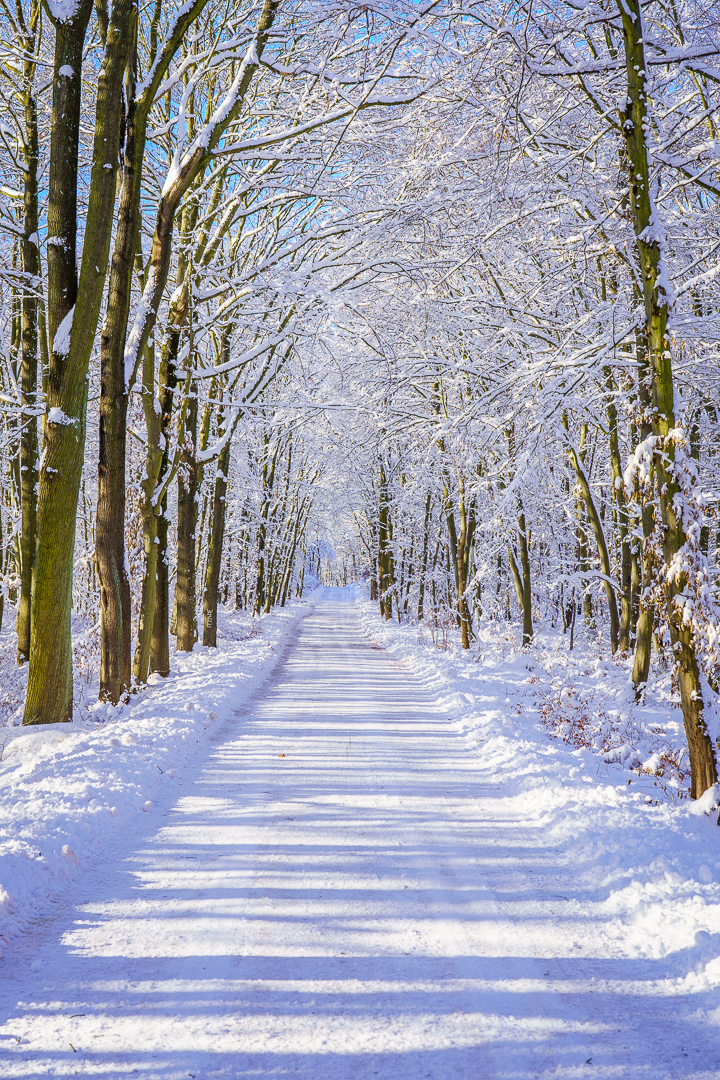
[559,736]
[86,669]
[67,790]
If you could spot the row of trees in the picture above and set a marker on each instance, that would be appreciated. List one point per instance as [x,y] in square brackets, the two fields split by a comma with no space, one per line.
[180,154]
[448,267]
[549,428]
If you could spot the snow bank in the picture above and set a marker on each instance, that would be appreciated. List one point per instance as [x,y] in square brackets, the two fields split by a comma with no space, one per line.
[66,790]
[646,860]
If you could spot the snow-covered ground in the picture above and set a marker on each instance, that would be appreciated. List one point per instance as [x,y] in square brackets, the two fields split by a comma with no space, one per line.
[69,790]
[560,735]
[387,863]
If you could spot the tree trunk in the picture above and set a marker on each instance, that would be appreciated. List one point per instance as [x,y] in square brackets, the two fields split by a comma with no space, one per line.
[262,582]
[522,585]
[424,560]
[517,580]
[458,551]
[115,612]
[160,644]
[385,559]
[141,661]
[29,347]
[583,563]
[2,594]
[299,528]
[73,316]
[215,548]
[120,356]
[600,541]
[167,379]
[622,518]
[526,586]
[646,617]
[648,230]
[185,600]
[149,509]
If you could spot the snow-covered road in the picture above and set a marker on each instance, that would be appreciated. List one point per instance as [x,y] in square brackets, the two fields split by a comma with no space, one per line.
[340,894]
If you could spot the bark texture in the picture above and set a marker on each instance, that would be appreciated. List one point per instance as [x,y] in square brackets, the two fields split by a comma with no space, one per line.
[74,310]
[185,594]
[649,235]
[600,541]
[29,339]
[215,548]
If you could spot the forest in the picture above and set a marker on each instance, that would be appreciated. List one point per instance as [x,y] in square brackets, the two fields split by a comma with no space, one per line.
[417,294]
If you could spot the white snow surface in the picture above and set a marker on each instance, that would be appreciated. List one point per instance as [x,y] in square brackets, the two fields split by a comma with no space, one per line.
[57,416]
[380,865]
[144,309]
[61,341]
[63,10]
[68,790]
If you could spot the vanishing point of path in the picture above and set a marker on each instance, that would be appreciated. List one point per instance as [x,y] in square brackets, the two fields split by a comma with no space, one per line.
[338,895]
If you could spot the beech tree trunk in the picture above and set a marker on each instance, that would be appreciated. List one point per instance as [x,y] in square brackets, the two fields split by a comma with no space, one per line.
[215,548]
[111,497]
[636,124]
[517,580]
[424,558]
[158,475]
[300,523]
[621,518]
[74,309]
[29,339]
[373,573]
[526,584]
[167,378]
[523,585]
[160,644]
[459,550]
[2,594]
[268,482]
[149,510]
[386,574]
[600,540]
[185,598]
[646,616]
[115,629]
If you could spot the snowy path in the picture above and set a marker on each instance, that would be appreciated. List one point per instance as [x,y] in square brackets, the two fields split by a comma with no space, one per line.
[338,895]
